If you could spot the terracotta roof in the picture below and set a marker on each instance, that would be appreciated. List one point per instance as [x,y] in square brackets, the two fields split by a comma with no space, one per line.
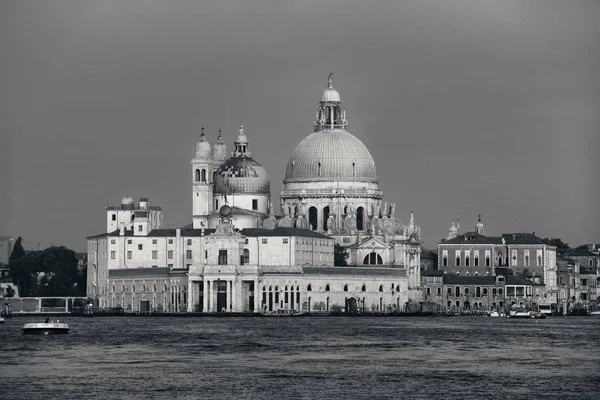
[452,279]
[473,238]
[432,272]
[579,252]
[281,231]
[366,271]
[138,272]
[521,238]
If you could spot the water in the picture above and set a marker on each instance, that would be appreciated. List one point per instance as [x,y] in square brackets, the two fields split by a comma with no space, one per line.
[327,357]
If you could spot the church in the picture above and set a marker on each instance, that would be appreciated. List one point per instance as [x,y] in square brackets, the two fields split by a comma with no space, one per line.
[239,254]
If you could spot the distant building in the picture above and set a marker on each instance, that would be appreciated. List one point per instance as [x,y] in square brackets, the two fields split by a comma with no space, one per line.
[429,259]
[482,293]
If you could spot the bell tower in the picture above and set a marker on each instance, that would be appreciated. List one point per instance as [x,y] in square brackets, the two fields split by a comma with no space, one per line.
[202,185]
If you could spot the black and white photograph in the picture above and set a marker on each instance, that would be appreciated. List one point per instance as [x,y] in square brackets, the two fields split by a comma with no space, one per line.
[228,199]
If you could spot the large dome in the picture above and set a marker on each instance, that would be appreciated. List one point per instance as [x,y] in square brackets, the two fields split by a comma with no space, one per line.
[330,156]
[241,175]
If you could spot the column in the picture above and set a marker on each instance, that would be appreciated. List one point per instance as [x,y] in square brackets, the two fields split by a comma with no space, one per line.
[257,296]
[190,296]
[209,301]
[234,296]
[205,296]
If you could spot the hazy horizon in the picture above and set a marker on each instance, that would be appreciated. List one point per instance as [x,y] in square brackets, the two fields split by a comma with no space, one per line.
[467,107]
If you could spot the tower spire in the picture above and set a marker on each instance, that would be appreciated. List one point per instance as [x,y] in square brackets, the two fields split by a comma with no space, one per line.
[330,81]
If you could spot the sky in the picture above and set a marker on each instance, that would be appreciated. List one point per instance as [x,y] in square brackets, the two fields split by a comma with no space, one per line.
[468,107]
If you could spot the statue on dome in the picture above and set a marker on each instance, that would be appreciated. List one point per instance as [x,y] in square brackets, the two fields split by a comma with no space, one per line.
[393,211]
[330,81]
[385,210]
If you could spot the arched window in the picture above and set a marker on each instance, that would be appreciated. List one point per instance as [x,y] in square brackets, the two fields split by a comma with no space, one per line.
[144,287]
[500,260]
[133,288]
[466,291]
[154,287]
[114,289]
[327,288]
[319,170]
[449,291]
[485,291]
[373,259]
[487,261]
[494,292]
[591,262]
[166,288]
[325,217]
[360,216]
[457,260]
[203,177]
[197,175]
[123,288]
[363,288]
[457,291]
[539,258]
[445,261]
[467,261]
[478,292]
[345,288]
[309,288]
[527,261]
[477,261]
[381,288]
[312,218]
[500,291]
[246,256]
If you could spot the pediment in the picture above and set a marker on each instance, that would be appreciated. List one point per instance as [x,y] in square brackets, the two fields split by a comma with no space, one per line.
[372,243]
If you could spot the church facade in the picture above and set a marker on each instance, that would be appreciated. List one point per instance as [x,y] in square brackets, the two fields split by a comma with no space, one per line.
[238,255]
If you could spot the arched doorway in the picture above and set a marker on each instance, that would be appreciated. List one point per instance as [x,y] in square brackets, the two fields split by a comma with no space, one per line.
[360,216]
[325,218]
[312,218]
[372,259]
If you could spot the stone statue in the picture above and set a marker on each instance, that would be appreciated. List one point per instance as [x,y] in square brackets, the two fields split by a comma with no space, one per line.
[331,224]
[411,222]
[271,210]
[393,211]
[385,210]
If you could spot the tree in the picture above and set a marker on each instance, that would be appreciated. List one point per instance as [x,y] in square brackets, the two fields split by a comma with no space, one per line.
[22,268]
[340,255]
[10,292]
[17,251]
[558,243]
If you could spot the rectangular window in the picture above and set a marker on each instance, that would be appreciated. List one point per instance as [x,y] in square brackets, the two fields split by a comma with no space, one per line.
[128,241]
[155,266]
[154,241]
[189,242]
[113,255]
[477,261]
[254,204]
[114,217]
[140,247]
[188,254]
[264,241]
[112,241]
[154,254]
[140,228]
[170,265]
[428,290]
[487,261]
[246,241]
[285,240]
[222,257]
[584,282]
[170,241]
[439,291]
[216,204]
[170,254]
[129,255]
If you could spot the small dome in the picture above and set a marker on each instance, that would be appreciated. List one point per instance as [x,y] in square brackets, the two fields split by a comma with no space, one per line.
[220,150]
[203,147]
[225,211]
[453,228]
[241,175]
[330,95]
[127,201]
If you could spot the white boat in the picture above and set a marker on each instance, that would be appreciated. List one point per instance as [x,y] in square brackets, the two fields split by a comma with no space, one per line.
[596,313]
[45,328]
[1,320]
[526,314]
[497,314]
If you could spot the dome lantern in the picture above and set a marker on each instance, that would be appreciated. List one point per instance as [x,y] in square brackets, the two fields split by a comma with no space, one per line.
[330,114]
[203,150]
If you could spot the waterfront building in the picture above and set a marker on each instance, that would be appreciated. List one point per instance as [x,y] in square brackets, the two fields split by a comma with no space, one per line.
[237,255]
[480,293]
